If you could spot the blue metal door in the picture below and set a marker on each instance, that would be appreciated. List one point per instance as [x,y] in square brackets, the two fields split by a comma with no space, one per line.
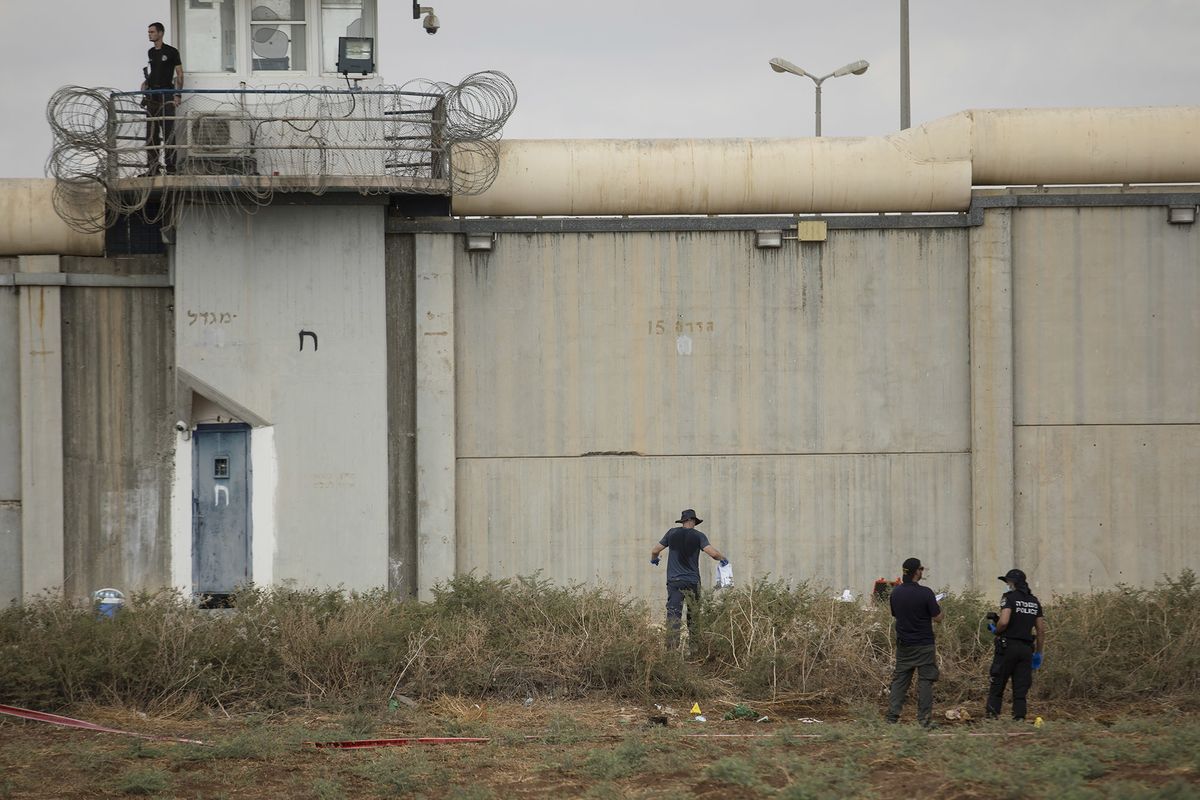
[220,508]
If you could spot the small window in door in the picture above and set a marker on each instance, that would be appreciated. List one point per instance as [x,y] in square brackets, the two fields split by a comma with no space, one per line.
[221,467]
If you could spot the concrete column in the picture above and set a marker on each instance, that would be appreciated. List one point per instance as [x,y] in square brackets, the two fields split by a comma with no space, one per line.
[991,300]
[399,259]
[436,452]
[40,342]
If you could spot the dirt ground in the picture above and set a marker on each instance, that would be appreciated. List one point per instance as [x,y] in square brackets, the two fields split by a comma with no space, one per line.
[602,749]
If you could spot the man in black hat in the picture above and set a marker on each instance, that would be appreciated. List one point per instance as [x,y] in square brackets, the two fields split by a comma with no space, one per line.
[915,608]
[683,571]
[1020,632]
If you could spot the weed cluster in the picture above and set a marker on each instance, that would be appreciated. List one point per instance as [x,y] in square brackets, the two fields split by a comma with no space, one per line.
[511,638]
[284,647]
[1116,645]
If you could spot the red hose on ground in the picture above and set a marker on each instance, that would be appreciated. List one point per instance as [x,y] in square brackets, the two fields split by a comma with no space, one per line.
[71,722]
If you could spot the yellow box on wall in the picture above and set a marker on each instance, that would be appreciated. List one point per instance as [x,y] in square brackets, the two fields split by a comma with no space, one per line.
[812,231]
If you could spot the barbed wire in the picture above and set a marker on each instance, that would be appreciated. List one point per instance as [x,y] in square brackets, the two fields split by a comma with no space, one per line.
[239,147]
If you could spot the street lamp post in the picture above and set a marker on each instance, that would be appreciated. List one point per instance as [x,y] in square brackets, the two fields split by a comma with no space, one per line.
[853,68]
[905,98]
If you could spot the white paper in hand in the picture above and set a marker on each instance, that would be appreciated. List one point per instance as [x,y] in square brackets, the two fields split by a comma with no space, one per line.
[724,576]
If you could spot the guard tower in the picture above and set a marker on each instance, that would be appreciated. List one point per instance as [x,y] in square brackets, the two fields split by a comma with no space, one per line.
[281,96]
[282,158]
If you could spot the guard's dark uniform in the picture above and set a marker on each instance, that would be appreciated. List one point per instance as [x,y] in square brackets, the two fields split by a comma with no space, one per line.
[1014,652]
[160,108]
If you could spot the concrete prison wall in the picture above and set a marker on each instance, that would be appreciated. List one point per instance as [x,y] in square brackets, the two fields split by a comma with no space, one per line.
[1024,390]
[1019,384]
[812,401]
[1107,402]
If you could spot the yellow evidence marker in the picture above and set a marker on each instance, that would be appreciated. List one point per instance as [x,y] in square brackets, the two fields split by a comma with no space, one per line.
[695,709]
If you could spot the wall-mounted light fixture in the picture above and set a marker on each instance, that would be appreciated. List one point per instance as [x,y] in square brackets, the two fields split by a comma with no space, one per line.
[768,239]
[480,242]
[1181,215]
[356,54]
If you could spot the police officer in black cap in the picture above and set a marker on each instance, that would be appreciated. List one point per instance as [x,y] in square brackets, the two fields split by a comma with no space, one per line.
[1020,633]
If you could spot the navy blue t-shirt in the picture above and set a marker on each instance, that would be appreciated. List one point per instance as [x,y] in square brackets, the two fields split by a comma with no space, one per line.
[914,606]
[683,560]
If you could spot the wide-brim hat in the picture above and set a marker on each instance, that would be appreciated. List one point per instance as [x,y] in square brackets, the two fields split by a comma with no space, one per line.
[689,513]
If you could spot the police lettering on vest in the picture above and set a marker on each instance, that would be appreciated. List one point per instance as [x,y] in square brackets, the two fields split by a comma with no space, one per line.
[1024,609]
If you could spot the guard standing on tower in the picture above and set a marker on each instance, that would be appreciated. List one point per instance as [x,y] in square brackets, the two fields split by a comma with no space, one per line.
[164,70]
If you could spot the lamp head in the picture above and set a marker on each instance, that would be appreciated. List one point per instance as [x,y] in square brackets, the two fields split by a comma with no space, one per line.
[853,68]
[783,65]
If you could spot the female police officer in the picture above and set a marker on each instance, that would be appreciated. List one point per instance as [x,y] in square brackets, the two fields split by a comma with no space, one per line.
[1020,633]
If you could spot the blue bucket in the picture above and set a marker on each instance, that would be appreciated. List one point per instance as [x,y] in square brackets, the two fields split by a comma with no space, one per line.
[108,602]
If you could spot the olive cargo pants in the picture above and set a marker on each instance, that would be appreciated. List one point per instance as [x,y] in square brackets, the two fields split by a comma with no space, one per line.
[921,659]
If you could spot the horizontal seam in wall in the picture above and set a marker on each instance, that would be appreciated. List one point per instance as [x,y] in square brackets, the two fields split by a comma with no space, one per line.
[1105,424]
[721,455]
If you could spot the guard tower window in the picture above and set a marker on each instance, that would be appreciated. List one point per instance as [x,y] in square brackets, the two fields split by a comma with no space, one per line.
[339,18]
[278,36]
[263,37]
[210,36]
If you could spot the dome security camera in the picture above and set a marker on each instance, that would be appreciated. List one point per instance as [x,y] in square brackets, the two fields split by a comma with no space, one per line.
[181,426]
[431,22]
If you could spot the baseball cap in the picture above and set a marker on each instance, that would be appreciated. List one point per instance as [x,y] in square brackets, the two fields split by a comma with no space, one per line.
[1014,575]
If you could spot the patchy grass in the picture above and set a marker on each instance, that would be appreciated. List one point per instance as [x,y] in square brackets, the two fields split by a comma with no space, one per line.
[733,770]
[596,749]
[143,781]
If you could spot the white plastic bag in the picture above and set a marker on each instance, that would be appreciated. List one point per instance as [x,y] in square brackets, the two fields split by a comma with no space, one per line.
[724,576]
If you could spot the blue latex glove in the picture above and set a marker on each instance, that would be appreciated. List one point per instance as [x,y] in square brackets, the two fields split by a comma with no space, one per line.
[724,562]
[654,561]
[1037,660]
[992,627]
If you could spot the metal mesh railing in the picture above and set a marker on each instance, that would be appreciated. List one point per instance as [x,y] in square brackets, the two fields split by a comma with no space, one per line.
[241,146]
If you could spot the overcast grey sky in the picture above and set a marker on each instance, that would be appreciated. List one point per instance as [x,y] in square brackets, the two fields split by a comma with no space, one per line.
[679,68]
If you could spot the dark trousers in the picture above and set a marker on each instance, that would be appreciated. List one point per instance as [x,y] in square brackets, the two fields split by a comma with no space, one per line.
[160,130]
[679,593]
[1013,659]
[922,659]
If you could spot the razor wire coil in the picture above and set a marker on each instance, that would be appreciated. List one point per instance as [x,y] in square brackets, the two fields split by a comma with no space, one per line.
[239,147]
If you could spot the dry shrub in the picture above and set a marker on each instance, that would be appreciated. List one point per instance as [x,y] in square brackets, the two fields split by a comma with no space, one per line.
[769,639]
[1126,643]
[1119,645]
[772,641]
[283,647]
[511,638]
[528,636]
